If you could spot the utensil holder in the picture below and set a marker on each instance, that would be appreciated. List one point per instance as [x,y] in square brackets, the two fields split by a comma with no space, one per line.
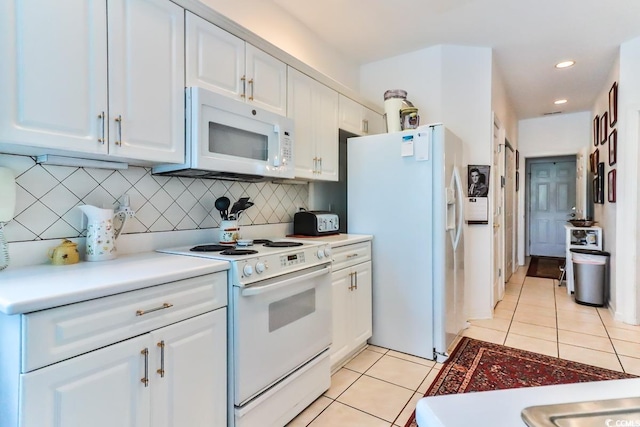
[229,232]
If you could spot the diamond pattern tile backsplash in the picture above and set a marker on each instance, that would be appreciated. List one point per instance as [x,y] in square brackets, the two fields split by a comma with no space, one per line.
[47,197]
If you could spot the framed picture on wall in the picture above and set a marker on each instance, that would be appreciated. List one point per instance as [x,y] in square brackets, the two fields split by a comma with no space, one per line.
[517,160]
[517,180]
[613,104]
[604,127]
[601,182]
[596,130]
[613,147]
[594,188]
[596,160]
[612,186]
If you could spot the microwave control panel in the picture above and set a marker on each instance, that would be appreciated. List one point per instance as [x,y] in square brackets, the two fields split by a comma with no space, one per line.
[286,149]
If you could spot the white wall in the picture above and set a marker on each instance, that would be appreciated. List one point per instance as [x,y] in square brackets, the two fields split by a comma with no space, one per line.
[274,24]
[628,176]
[548,136]
[452,85]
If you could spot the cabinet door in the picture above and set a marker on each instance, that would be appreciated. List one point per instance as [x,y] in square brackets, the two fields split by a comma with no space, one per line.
[361,322]
[299,107]
[325,112]
[98,389]
[266,81]
[341,299]
[146,80]
[374,122]
[53,76]
[350,118]
[214,58]
[189,374]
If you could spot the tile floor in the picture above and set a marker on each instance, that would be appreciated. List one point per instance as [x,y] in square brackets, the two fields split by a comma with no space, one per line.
[380,387]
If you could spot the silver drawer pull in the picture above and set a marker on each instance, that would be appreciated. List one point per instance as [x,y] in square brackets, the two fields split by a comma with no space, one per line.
[151,310]
[145,379]
[161,370]
[352,256]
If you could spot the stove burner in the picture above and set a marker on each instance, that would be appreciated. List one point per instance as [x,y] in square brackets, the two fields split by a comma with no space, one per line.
[208,248]
[239,252]
[261,241]
[282,244]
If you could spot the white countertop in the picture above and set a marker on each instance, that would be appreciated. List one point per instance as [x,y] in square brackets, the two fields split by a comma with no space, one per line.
[39,287]
[335,240]
[501,408]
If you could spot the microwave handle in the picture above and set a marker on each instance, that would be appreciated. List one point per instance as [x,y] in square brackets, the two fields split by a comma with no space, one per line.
[276,159]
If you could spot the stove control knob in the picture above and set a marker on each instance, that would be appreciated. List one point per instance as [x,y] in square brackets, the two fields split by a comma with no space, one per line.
[320,253]
[247,270]
[260,267]
[327,252]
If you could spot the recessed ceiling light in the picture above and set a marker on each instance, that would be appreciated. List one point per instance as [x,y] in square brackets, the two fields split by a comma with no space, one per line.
[560,101]
[565,64]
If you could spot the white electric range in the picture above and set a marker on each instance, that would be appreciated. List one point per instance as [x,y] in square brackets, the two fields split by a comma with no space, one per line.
[279,326]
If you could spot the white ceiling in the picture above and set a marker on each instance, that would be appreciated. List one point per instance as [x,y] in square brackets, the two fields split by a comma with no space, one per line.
[528,38]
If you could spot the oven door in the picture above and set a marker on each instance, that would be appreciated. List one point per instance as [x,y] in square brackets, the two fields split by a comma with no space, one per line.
[278,325]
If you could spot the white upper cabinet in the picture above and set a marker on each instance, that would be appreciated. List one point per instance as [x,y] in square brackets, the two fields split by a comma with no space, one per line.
[146,80]
[53,74]
[223,63]
[314,109]
[69,83]
[358,119]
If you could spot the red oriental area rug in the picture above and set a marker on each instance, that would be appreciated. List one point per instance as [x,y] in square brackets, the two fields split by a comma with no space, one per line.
[482,366]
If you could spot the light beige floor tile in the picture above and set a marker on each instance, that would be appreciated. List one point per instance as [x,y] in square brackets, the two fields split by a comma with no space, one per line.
[624,334]
[363,361]
[578,317]
[438,366]
[408,410]
[590,357]
[570,305]
[507,305]
[399,372]
[535,331]
[428,381]
[377,349]
[500,313]
[496,323]
[338,414]
[537,310]
[534,319]
[539,282]
[584,340]
[611,322]
[510,297]
[550,348]
[584,327]
[305,417]
[537,302]
[376,397]
[631,365]
[627,348]
[512,289]
[411,358]
[484,334]
[340,381]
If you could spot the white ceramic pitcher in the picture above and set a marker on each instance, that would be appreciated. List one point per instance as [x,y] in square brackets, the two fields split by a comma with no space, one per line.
[101,233]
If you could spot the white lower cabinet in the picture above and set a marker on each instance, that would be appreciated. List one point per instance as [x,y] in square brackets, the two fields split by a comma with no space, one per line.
[352,299]
[170,376]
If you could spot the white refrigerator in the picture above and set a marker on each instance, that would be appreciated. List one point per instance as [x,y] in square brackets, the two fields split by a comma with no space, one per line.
[406,190]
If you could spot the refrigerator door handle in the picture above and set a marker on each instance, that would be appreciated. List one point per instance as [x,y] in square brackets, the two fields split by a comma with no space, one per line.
[457,182]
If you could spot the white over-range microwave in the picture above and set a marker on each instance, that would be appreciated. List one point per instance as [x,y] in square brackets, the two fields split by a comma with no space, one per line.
[233,140]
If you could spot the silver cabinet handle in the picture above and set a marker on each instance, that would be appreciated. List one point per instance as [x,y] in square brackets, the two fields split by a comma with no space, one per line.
[251,83]
[365,126]
[315,165]
[101,117]
[351,281]
[118,120]
[320,162]
[355,274]
[352,256]
[243,79]
[151,310]
[145,379]
[161,370]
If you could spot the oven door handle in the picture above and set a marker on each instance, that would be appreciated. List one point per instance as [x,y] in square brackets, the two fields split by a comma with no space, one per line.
[257,290]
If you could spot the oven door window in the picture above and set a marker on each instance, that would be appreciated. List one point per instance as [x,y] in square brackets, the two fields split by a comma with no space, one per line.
[291,309]
[236,142]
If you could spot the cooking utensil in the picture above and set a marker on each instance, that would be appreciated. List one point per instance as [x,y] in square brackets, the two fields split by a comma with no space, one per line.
[240,205]
[222,205]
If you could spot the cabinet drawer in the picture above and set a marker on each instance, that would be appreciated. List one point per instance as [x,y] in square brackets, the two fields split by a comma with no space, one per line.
[56,334]
[346,256]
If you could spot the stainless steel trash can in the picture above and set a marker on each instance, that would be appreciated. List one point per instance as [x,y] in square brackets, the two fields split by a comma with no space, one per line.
[590,276]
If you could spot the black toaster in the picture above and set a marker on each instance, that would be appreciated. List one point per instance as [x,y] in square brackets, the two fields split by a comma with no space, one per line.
[315,223]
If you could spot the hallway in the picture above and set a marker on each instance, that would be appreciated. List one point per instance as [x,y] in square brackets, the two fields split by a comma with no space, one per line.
[538,315]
